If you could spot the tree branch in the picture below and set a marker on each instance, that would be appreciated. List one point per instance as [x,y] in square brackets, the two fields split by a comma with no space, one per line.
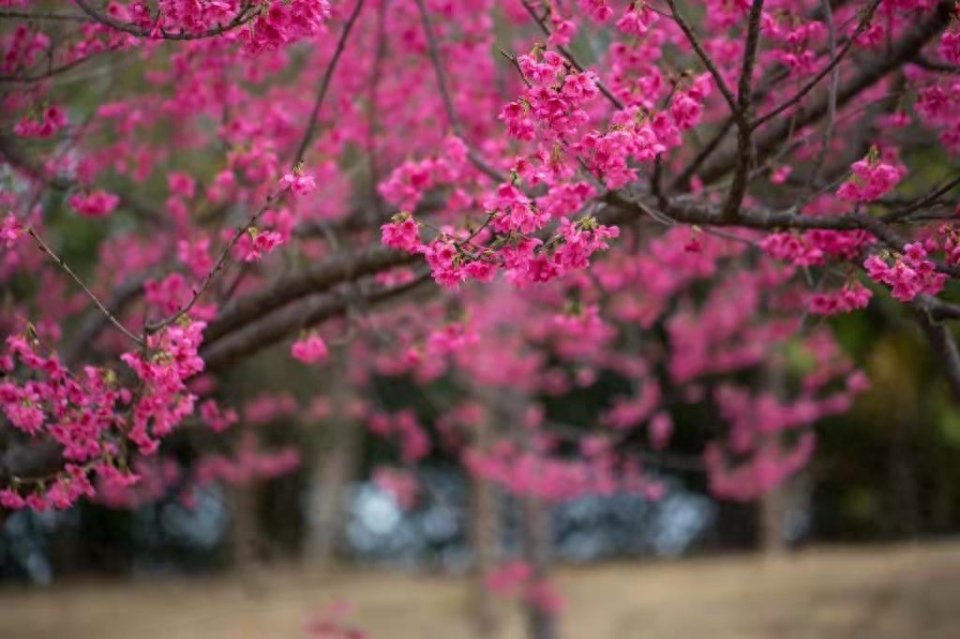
[448,105]
[287,322]
[239,20]
[325,83]
[777,133]
[318,278]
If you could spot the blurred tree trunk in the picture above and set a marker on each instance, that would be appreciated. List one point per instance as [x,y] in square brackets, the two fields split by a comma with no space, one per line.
[902,474]
[537,530]
[485,538]
[772,513]
[537,548]
[942,510]
[335,469]
[245,533]
[774,504]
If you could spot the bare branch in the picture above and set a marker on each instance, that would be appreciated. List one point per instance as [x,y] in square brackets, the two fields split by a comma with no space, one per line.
[815,80]
[448,105]
[287,322]
[708,62]
[741,115]
[244,15]
[944,344]
[325,83]
[43,15]
[318,278]
[76,278]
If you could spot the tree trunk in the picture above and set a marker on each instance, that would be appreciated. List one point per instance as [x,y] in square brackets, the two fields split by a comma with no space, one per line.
[773,507]
[537,531]
[903,479]
[537,548]
[485,528]
[335,469]
[485,539]
[245,534]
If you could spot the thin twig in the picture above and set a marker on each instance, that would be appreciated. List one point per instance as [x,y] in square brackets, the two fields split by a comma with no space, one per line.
[221,261]
[928,199]
[455,123]
[607,93]
[834,61]
[704,57]
[832,99]
[76,278]
[325,83]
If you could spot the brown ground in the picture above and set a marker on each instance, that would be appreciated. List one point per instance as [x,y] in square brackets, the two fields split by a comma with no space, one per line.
[881,593]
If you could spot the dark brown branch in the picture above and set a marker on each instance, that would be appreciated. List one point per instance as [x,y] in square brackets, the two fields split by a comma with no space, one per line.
[245,15]
[288,321]
[944,345]
[926,200]
[933,65]
[319,278]
[810,85]
[694,41]
[741,115]
[682,181]
[43,15]
[772,137]
[940,309]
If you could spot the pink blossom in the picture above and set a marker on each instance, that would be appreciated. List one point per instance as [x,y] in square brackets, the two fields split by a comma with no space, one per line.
[871,179]
[309,349]
[254,244]
[10,230]
[94,204]
[402,233]
[298,183]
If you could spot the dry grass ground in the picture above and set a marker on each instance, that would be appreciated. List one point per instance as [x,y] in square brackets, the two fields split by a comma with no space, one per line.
[880,593]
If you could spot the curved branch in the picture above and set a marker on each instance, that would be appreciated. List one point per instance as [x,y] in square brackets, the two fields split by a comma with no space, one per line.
[772,137]
[325,83]
[319,278]
[244,16]
[708,62]
[448,106]
[944,344]
[809,86]
[287,322]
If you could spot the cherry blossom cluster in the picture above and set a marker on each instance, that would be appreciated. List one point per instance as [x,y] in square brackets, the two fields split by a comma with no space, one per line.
[92,416]
[910,274]
[247,463]
[309,349]
[508,176]
[850,297]
[871,179]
